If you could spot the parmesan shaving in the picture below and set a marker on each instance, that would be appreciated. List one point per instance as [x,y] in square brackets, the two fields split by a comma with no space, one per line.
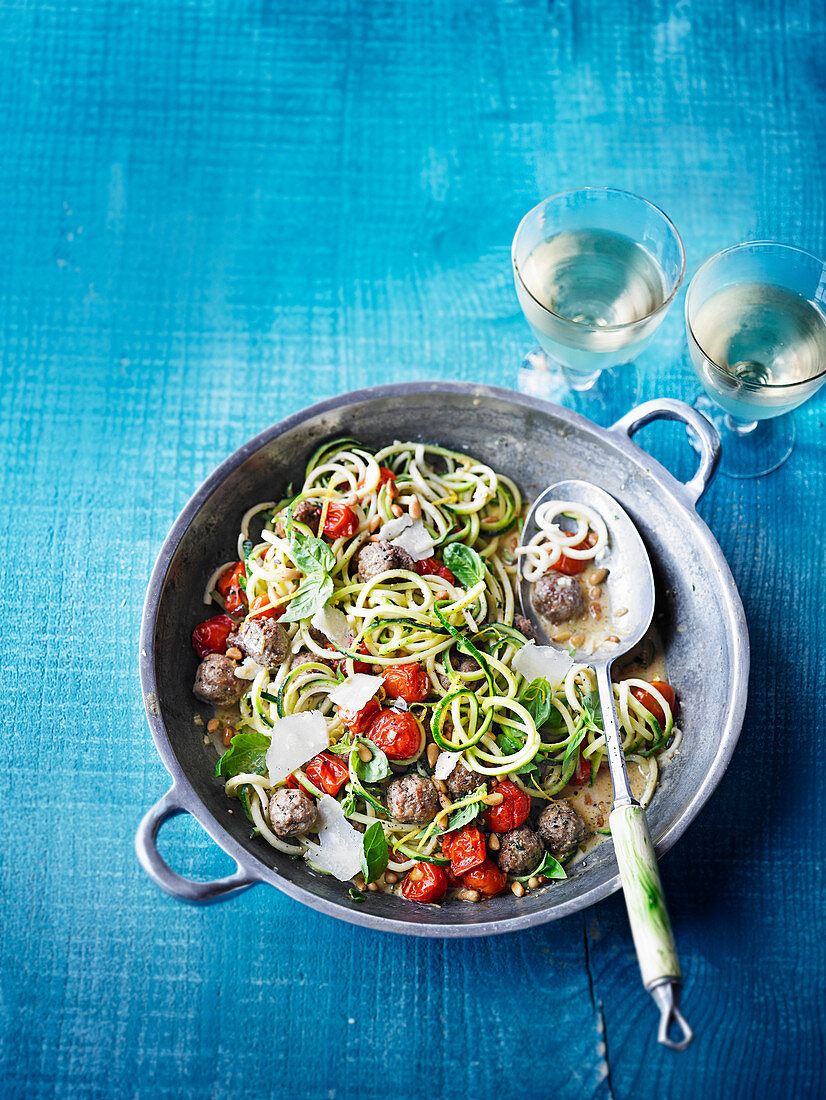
[445,764]
[542,662]
[248,669]
[333,625]
[356,691]
[296,739]
[339,845]
[410,535]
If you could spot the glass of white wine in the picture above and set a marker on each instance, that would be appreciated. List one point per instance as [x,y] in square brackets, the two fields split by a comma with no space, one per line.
[756,320]
[595,270]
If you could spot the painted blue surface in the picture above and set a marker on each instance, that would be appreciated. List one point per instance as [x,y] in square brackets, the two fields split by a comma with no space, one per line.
[215,213]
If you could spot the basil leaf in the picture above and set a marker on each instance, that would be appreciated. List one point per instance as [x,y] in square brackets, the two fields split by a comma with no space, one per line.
[313,592]
[510,745]
[464,563]
[574,744]
[355,894]
[549,867]
[310,554]
[373,770]
[374,854]
[593,711]
[247,753]
[537,699]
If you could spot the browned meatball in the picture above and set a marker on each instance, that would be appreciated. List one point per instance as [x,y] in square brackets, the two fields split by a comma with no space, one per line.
[520,851]
[378,557]
[558,597]
[526,627]
[216,682]
[264,640]
[462,781]
[306,511]
[412,798]
[464,664]
[292,812]
[304,657]
[560,828]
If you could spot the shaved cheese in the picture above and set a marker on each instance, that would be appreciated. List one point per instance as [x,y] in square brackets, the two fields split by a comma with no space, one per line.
[394,527]
[247,669]
[356,691]
[333,625]
[339,845]
[296,739]
[542,662]
[410,535]
[445,764]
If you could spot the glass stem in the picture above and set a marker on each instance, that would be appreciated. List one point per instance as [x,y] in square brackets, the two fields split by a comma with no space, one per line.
[580,382]
[740,427]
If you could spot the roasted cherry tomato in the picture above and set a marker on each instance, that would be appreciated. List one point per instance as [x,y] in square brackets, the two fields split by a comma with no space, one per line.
[511,813]
[231,587]
[327,772]
[408,682]
[432,567]
[385,474]
[465,848]
[425,882]
[340,522]
[396,732]
[572,566]
[486,878]
[651,704]
[262,608]
[211,636]
[582,772]
[291,781]
[358,721]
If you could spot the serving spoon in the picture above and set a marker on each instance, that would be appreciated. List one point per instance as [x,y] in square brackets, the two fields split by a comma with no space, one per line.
[630,573]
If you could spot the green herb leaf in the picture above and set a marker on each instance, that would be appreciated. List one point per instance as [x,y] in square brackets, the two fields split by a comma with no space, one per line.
[373,770]
[247,753]
[374,854]
[355,894]
[537,699]
[510,745]
[574,744]
[310,554]
[463,816]
[593,711]
[464,563]
[313,592]
[549,867]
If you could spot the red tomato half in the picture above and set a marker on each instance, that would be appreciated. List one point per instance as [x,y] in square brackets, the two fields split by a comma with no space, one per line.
[385,474]
[651,704]
[230,585]
[572,566]
[211,636]
[262,609]
[511,813]
[432,567]
[408,682]
[582,772]
[397,734]
[425,882]
[486,878]
[465,848]
[340,522]
[327,772]
[359,721]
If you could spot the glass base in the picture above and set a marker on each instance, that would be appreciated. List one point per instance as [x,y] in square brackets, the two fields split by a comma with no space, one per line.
[750,448]
[602,396]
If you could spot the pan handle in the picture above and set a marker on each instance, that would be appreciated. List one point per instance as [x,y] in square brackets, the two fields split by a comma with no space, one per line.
[161,873]
[702,434]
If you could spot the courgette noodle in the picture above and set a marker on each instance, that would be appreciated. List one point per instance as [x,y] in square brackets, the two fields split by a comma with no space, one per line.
[400,617]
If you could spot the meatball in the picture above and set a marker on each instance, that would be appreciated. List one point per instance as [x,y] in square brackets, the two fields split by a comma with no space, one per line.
[462,781]
[412,798]
[520,851]
[216,682]
[264,640]
[304,657]
[464,664]
[378,557]
[558,597]
[526,627]
[306,511]
[292,812]
[560,828]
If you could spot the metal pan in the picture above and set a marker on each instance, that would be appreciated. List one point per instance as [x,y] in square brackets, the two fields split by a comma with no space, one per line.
[699,614]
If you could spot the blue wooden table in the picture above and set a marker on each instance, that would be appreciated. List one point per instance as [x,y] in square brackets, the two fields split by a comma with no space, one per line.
[215,213]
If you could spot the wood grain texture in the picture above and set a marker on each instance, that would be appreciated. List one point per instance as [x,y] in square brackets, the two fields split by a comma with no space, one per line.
[214,213]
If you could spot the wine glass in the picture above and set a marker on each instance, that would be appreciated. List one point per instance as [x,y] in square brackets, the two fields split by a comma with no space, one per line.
[595,270]
[756,321]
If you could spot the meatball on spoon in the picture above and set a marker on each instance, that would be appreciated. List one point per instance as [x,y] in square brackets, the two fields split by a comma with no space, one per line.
[631,574]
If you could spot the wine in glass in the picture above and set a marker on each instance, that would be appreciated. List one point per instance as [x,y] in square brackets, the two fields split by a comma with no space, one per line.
[595,270]
[756,322]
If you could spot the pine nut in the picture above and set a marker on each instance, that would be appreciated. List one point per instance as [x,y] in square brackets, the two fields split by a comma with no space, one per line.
[543,879]
[622,611]
[375,538]
[373,887]
[612,638]
[495,798]
[595,591]
[493,842]
[414,508]
[392,491]
[235,653]
[577,640]
[352,500]
[391,878]
[374,524]
[598,576]
[365,754]
[212,725]
[433,753]
[595,611]
[440,785]
[397,510]
[441,821]
[533,882]
[227,736]
[561,635]
[469,895]
[518,889]
[445,802]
